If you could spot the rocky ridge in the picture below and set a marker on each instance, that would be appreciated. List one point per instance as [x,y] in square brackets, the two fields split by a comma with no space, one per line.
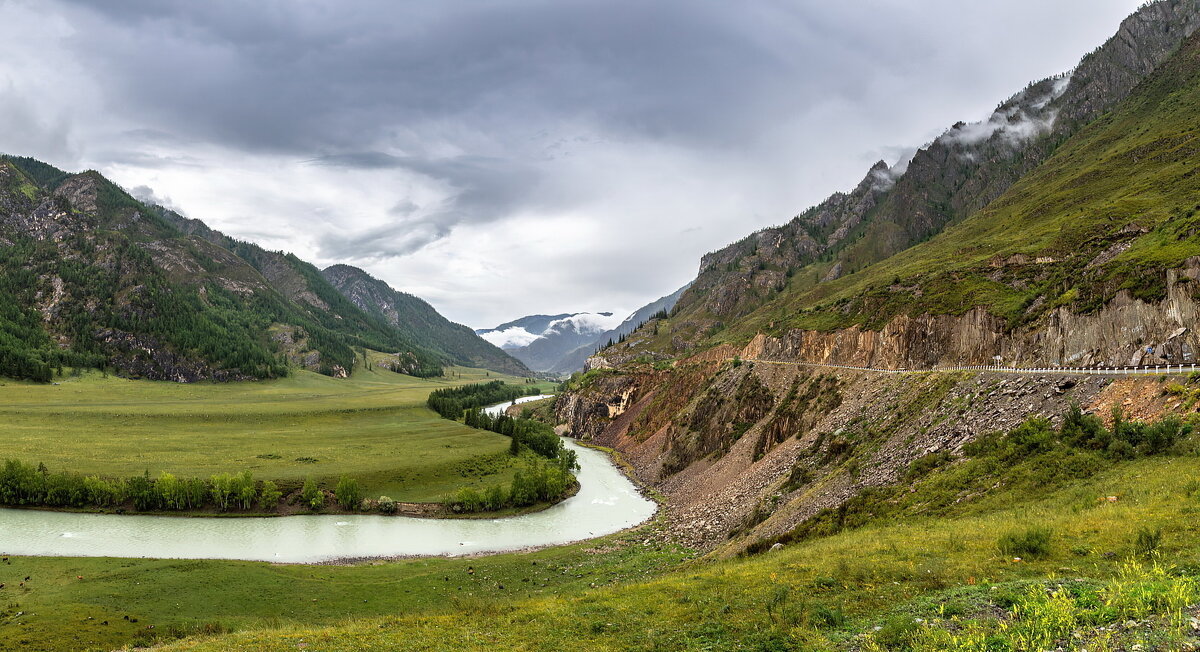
[947,180]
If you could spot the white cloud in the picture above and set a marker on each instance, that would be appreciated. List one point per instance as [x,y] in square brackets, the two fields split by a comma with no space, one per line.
[587,322]
[510,338]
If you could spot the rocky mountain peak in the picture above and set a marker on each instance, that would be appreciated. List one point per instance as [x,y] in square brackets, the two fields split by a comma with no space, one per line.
[945,181]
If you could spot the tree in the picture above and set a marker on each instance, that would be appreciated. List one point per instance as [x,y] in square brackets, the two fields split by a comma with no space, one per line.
[349,496]
[467,500]
[171,490]
[312,496]
[270,495]
[247,491]
[221,487]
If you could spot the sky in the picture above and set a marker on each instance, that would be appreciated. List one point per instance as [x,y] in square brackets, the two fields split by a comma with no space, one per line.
[500,158]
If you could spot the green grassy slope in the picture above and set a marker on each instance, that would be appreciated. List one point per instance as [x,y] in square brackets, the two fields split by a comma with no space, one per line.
[1127,179]
[67,601]
[373,427]
[832,593]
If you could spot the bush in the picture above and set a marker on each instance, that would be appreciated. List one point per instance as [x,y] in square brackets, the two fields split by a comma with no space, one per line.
[313,497]
[1033,543]
[386,505]
[896,631]
[1147,541]
[926,463]
[270,495]
[467,501]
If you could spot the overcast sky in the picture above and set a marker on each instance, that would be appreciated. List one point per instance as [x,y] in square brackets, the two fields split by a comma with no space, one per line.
[500,158]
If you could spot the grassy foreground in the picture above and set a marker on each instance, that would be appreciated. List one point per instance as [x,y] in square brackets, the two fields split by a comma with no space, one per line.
[373,427]
[103,603]
[920,583]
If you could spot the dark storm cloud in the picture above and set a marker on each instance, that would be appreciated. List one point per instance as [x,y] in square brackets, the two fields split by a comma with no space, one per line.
[334,75]
[372,129]
[294,78]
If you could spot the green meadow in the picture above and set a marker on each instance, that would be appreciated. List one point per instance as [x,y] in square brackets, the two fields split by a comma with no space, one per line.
[373,427]
[921,582]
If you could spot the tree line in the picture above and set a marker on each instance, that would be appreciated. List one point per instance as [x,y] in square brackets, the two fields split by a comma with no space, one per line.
[539,481]
[534,435]
[26,485]
[452,402]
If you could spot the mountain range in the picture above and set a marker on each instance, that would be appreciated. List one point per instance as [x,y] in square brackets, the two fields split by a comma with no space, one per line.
[91,277]
[561,344]
[540,341]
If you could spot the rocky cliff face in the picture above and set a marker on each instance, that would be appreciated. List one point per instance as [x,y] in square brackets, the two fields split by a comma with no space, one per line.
[1123,332]
[947,180]
[801,439]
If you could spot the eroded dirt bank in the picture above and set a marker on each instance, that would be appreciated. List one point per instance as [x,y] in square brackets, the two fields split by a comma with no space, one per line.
[759,446]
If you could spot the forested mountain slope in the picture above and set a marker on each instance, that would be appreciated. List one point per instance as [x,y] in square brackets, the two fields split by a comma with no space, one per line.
[415,317]
[91,277]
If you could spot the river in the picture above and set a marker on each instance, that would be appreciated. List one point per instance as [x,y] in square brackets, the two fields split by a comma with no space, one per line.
[607,502]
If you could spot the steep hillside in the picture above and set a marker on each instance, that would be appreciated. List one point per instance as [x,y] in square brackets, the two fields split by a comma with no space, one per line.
[91,277]
[417,319]
[946,181]
[1090,259]
[1093,258]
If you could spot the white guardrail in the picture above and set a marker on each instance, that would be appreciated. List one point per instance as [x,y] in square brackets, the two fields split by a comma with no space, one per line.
[1093,371]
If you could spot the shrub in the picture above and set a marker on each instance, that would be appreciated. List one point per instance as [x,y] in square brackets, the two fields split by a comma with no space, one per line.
[926,463]
[313,498]
[799,476]
[828,617]
[1147,541]
[270,495]
[1033,542]
[1160,436]
[386,505]
[467,500]
[896,631]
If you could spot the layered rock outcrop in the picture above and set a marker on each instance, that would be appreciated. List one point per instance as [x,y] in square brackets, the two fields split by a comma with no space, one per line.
[1126,331]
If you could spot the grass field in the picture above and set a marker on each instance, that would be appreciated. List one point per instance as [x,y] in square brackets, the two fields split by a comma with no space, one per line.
[67,601]
[921,583]
[903,582]
[373,427]
[915,577]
